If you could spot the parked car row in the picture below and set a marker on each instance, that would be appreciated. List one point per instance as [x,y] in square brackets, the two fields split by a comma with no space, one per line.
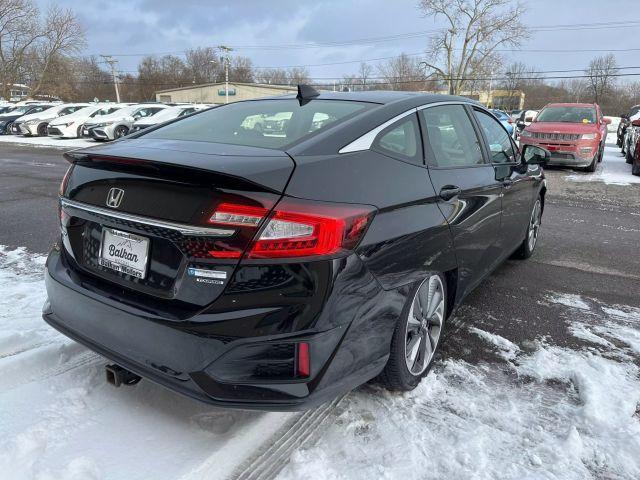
[628,135]
[99,121]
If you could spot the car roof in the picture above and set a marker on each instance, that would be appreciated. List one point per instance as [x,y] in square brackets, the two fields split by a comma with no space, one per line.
[385,97]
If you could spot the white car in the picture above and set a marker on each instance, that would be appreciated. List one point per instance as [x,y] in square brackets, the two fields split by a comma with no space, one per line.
[36,123]
[71,125]
[167,114]
[118,124]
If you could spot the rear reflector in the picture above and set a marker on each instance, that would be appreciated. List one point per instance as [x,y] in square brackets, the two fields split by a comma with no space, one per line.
[303,361]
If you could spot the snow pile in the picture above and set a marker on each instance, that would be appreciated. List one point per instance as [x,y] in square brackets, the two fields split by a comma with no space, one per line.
[554,413]
[506,348]
[613,170]
[61,420]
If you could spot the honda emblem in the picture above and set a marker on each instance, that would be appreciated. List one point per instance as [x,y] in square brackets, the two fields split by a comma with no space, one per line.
[114,197]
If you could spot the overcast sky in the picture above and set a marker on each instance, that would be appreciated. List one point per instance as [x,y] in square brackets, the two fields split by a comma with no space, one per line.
[170,26]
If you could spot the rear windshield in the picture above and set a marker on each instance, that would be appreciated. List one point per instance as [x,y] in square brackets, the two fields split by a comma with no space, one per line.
[260,123]
[568,115]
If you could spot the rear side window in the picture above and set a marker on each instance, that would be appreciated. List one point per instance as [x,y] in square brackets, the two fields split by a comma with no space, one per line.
[450,137]
[261,123]
[401,140]
[500,146]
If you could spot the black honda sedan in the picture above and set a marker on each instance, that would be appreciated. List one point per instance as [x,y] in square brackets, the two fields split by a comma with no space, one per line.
[278,270]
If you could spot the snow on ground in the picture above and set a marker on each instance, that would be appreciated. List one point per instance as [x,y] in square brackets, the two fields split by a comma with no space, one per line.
[544,412]
[64,143]
[613,169]
[60,419]
[551,413]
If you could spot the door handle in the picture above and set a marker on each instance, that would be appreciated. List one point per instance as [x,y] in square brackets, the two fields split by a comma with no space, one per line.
[449,191]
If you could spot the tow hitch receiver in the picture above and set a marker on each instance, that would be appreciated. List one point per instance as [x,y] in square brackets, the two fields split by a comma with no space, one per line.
[116,375]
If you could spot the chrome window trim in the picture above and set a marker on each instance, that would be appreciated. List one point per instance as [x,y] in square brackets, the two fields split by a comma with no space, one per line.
[179,227]
[366,141]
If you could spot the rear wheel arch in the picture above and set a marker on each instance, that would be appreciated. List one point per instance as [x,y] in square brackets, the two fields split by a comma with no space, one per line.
[543,195]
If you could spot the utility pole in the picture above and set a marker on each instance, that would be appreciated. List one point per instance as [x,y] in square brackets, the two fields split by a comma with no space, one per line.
[490,99]
[112,63]
[227,61]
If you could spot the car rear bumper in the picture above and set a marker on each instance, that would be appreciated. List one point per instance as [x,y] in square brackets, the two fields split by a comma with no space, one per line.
[201,358]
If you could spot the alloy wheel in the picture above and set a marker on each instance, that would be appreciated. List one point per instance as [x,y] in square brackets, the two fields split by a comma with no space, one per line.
[534,225]
[424,325]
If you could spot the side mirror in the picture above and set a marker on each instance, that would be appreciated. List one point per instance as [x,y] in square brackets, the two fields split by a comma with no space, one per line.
[606,120]
[624,116]
[534,155]
[528,119]
[636,123]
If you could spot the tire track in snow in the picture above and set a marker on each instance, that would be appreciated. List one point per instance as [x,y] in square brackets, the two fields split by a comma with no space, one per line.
[304,428]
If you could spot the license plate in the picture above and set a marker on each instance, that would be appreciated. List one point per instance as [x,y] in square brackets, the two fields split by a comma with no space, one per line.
[124,252]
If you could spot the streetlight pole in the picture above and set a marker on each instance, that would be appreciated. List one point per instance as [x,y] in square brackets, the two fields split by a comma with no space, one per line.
[227,60]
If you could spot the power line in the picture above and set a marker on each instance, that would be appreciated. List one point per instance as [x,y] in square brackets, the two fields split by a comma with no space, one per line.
[403,36]
[392,82]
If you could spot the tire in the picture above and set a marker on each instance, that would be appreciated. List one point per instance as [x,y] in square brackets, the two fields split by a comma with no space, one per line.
[592,166]
[529,243]
[42,130]
[418,333]
[601,154]
[79,132]
[120,132]
[7,128]
[635,168]
[628,157]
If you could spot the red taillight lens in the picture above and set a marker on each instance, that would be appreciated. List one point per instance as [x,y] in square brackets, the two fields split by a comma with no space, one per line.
[244,219]
[299,228]
[65,180]
[295,228]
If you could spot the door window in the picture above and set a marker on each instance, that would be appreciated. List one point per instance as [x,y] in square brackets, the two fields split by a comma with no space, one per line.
[451,138]
[500,146]
[401,140]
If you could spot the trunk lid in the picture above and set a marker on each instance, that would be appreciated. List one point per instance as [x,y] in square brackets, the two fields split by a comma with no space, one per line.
[169,190]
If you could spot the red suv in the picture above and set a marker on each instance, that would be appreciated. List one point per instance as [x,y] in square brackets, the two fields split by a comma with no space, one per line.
[574,133]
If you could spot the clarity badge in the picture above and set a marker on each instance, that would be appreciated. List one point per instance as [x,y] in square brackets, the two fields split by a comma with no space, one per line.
[202,275]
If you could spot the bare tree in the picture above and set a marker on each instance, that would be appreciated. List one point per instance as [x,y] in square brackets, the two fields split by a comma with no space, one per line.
[601,75]
[365,72]
[241,70]
[475,31]
[298,75]
[402,73]
[273,76]
[203,65]
[19,31]
[62,36]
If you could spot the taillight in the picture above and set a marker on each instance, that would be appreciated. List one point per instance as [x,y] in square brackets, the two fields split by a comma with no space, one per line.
[299,228]
[65,180]
[295,228]
[238,215]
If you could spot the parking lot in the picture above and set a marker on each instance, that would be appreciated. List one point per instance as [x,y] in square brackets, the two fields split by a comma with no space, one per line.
[539,372]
